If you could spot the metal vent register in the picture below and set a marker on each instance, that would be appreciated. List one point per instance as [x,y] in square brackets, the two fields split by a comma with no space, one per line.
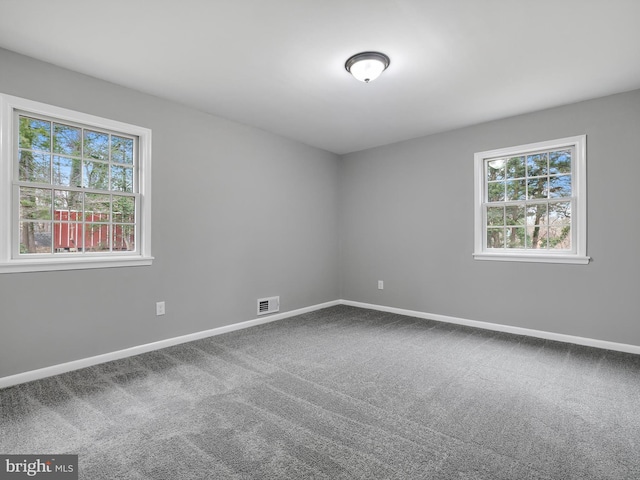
[268,305]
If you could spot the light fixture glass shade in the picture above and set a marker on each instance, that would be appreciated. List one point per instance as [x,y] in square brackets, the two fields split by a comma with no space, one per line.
[367,66]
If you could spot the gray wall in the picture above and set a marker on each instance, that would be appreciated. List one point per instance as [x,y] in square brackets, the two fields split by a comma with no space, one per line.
[406,217]
[238,214]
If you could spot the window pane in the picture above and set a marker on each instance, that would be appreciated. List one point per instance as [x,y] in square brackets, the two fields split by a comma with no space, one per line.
[559,213]
[66,171]
[537,164]
[495,237]
[495,216]
[97,237]
[95,175]
[35,134]
[515,167]
[121,179]
[35,167]
[537,237]
[124,238]
[495,192]
[495,170]
[560,237]
[67,237]
[537,188]
[515,237]
[124,209]
[537,214]
[35,237]
[560,162]
[560,186]
[121,150]
[35,203]
[97,207]
[515,215]
[516,189]
[96,145]
[560,225]
[68,202]
[66,140]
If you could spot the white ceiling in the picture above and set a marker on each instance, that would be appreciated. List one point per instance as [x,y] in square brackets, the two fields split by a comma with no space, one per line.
[279,64]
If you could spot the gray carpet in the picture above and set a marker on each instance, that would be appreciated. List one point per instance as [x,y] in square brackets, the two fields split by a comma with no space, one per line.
[341,393]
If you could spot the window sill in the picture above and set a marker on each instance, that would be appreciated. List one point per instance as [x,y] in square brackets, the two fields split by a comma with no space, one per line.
[531,258]
[48,265]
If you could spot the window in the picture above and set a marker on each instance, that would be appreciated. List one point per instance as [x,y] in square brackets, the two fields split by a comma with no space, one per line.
[75,189]
[530,202]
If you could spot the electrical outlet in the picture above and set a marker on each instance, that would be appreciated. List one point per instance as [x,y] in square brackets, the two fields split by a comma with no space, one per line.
[380,285]
[160,308]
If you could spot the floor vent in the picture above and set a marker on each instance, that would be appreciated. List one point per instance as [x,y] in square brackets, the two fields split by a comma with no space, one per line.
[268,305]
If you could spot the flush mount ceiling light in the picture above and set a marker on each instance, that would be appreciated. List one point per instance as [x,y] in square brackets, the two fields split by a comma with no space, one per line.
[367,66]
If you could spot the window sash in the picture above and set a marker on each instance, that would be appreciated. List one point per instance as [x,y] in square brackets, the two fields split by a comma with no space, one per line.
[72,246]
[527,201]
[82,220]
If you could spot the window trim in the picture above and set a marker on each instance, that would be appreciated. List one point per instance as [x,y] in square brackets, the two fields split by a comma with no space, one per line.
[8,263]
[579,195]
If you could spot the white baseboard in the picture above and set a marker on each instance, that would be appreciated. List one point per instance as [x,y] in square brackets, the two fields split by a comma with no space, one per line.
[129,352]
[560,337]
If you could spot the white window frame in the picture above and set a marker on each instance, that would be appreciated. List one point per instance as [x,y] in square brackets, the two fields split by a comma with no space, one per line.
[10,262]
[577,255]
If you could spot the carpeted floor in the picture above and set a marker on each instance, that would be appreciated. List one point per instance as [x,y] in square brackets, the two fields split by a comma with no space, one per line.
[341,393]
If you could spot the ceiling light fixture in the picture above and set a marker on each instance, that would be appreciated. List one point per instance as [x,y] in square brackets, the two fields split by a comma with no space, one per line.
[367,66]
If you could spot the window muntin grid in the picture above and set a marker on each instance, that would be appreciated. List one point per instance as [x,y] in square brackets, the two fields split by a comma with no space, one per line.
[76,189]
[528,201]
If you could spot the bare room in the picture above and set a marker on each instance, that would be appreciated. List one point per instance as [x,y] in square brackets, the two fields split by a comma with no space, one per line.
[319,239]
